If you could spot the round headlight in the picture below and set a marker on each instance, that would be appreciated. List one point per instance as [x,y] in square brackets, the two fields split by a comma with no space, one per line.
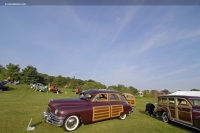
[56,111]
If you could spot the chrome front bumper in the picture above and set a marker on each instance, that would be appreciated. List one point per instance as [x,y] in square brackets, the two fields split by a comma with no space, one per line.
[53,119]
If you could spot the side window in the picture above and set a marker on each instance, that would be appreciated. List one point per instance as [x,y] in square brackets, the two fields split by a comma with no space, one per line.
[164,100]
[195,102]
[114,97]
[171,101]
[101,97]
[123,98]
[128,96]
[182,102]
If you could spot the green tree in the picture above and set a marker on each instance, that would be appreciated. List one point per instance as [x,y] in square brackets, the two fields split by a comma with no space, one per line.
[113,87]
[43,78]
[165,91]
[154,93]
[59,81]
[147,93]
[133,90]
[13,71]
[121,88]
[88,85]
[3,73]
[29,75]
[76,83]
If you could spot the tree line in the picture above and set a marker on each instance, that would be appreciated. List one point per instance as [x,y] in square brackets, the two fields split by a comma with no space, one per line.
[30,75]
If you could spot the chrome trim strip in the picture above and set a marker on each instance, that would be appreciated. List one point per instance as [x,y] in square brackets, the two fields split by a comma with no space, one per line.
[186,125]
[197,111]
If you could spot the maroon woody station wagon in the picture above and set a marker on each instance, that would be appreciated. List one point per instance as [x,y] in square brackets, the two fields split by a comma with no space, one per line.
[182,107]
[91,106]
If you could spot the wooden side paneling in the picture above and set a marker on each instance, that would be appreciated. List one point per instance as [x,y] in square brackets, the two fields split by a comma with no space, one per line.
[105,112]
[116,110]
[100,113]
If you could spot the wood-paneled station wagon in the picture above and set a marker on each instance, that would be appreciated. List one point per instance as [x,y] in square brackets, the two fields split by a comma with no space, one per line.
[130,99]
[91,106]
[182,107]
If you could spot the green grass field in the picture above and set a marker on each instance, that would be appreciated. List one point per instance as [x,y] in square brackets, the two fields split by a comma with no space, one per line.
[20,104]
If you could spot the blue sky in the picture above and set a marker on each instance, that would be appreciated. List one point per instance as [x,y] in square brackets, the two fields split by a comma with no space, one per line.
[147,47]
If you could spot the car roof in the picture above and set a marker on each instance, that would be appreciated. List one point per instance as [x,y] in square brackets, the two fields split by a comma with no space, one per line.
[178,96]
[128,94]
[185,94]
[94,92]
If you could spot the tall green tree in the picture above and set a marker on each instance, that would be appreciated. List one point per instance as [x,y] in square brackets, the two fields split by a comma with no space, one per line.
[29,75]
[147,93]
[59,81]
[132,90]
[76,83]
[13,71]
[113,87]
[3,73]
[43,78]
[165,91]
[93,85]
[121,88]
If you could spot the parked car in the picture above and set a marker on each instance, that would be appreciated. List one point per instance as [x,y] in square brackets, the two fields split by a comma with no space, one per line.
[2,85]
[90,106]
[130,99]
[54,89]
[182,107]
[39,87]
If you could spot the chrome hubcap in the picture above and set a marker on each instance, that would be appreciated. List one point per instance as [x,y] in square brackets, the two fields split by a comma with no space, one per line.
[165,117]
[71,123]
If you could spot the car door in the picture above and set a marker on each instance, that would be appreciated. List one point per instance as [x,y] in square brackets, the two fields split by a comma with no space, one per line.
[116,106]
[100,107]
[172,107]
[184,111]
[195,111]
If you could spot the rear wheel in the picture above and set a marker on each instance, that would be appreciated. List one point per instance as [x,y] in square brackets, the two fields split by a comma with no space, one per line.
[165,117]
[122,117]
[71,123]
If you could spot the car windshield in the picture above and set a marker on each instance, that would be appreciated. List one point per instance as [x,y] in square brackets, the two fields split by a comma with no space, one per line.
[85,95]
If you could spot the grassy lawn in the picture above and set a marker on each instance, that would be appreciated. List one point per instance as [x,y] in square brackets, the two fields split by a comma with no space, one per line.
[20,104]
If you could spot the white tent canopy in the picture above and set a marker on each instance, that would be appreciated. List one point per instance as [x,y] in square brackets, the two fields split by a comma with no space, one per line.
[186,93]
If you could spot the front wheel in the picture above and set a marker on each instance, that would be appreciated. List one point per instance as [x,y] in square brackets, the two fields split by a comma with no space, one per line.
[122,117]
[71,123]
[165,117]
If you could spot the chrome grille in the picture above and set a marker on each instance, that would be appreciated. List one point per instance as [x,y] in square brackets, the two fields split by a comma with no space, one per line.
[53,119]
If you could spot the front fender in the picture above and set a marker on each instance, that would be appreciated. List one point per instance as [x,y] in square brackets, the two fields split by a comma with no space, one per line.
[84,112]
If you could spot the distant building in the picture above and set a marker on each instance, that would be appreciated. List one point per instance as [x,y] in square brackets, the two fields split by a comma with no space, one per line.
[141,93]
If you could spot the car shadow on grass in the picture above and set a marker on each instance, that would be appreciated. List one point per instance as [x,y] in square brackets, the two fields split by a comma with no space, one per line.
[7,89]
[36,124]
[10,89]
[174,124]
